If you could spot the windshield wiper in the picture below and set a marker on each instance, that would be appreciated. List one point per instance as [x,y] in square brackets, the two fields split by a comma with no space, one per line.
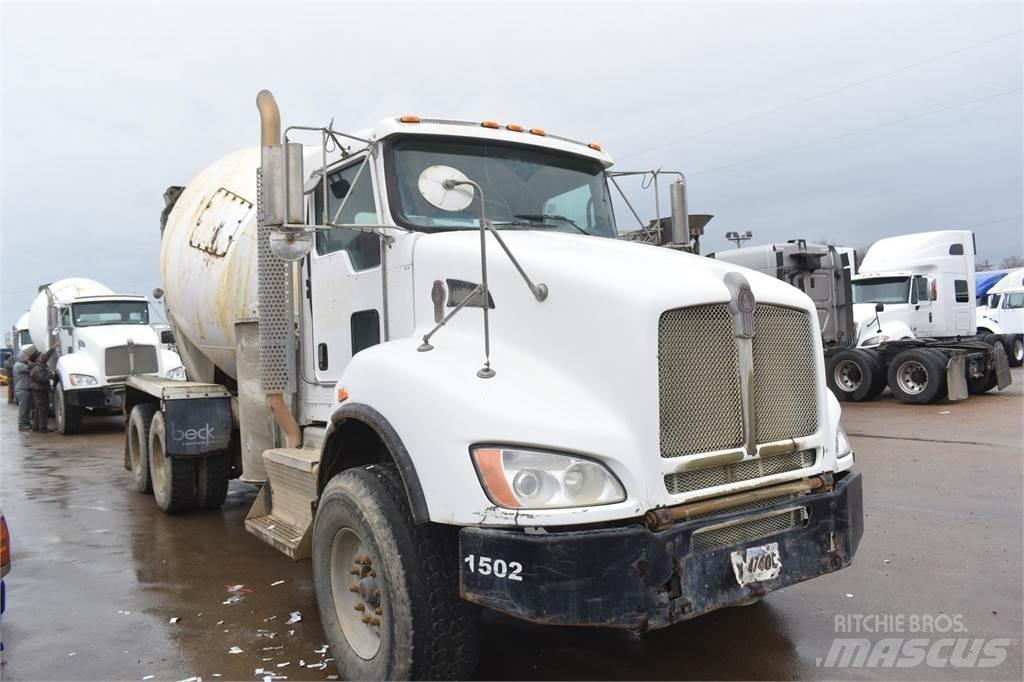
[550,216]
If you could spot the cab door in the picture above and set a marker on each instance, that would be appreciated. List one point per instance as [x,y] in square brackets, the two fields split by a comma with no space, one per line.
[922,315]
[344,292]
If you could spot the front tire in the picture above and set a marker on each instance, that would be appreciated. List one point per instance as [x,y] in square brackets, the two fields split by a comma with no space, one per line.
[67,416]
[1014,346]
[388,589]
[139,421]
[174,478]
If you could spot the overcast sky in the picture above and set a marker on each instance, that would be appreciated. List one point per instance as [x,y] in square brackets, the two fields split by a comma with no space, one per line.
[104,106]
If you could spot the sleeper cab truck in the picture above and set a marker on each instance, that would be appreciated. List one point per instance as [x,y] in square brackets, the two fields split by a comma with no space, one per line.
[457,390]
[903,323]
[1001,314]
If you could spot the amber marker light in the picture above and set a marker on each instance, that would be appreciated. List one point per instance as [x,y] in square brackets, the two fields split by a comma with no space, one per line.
[488,463]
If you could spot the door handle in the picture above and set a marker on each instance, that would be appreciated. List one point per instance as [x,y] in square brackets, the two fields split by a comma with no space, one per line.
[321,356]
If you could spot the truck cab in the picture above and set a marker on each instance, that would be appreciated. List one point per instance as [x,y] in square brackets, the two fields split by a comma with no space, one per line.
[1003,313]
[916,285]
[100,340]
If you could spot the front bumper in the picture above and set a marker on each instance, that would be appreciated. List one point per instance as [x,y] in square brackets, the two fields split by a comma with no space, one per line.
[109,397]
[635,578]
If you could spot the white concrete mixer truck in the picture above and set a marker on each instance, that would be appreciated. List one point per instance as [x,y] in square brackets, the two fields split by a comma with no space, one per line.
[100,339]
[456,389]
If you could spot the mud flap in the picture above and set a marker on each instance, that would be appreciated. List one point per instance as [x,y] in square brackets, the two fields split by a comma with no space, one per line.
[956,378]
[1002,364]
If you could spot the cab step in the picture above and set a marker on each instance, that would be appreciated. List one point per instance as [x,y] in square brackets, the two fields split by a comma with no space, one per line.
[282,515]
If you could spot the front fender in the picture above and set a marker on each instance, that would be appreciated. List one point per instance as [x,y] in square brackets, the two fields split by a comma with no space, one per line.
[78,363]
[439,407]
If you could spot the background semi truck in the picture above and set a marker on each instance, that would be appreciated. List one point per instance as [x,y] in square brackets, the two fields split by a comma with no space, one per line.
[901,322]
[1002,314]
[101,338]
[456,389]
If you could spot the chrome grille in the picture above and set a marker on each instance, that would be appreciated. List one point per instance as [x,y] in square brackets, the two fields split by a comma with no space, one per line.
[699,404]
[738,532]
[784,367]
[698,381]
[117,364]
[688,481]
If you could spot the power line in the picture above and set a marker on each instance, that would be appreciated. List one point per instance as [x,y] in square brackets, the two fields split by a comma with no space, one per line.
[822,95]
[852,133]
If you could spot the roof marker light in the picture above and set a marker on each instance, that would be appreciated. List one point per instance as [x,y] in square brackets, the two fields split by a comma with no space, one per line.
[410,118]
[515,128]
[595,146]
[537,131]
[490,124]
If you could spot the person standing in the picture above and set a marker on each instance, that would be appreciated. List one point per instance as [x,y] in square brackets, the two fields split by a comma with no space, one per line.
[23,392]
[39,377]
[9,371]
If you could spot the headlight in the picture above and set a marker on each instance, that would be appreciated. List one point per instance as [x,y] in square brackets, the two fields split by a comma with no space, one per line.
[875,340]
[527,479]
[177,374]
[843,446]
[82,380]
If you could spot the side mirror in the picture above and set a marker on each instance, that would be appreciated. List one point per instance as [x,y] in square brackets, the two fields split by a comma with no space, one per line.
[167,337]
[879,307]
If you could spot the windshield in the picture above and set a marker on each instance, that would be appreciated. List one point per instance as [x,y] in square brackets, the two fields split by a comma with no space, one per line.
[110,312]
[882,290]
[525,187]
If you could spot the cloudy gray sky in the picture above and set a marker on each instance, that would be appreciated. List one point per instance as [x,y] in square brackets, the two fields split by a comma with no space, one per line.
[845,121]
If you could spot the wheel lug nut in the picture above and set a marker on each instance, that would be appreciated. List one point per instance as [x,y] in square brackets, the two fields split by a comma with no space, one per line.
[374,620]
[376,594]
[353,588]
[366,619]
[373,574]
[360,606]
[355,571]
[378,610]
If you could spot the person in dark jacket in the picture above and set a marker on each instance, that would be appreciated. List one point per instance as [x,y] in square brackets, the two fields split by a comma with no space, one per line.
[39,377]
[23,392]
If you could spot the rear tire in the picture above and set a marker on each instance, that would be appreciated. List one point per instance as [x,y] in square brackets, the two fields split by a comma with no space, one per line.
[139,421]
[917,376]
[1013,344]
[855,374]
[174,478]
[212,481]
[368,554]
[67,416]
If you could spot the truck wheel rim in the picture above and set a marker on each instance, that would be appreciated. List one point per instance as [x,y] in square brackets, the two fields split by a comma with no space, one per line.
[1018,350]
[357,593]
[848,376]
[159,467]
[912,377]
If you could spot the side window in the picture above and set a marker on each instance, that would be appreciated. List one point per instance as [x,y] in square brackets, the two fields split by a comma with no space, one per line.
[1015,300]
[993,300]
[576,205]
[65,318]
[921,293]
[363,248]
[961,292]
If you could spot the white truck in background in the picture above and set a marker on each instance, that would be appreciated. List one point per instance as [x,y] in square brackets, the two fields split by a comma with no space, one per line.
[20,336]
[101,338]
[906,321]
[1002,313]
[457,389]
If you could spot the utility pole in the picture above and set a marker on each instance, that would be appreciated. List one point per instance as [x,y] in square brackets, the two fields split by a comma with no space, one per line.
[739,237]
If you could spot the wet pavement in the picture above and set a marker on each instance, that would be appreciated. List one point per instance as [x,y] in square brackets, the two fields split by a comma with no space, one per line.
[99,572]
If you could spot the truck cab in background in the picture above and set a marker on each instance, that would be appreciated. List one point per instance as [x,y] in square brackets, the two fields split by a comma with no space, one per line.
[925,283]
[99,339]
[1002,313]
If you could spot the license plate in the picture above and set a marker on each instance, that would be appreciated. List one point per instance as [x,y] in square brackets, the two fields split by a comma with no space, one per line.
[757,564]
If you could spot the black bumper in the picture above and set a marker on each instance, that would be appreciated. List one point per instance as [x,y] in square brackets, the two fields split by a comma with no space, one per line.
[102,398]
[632,577]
